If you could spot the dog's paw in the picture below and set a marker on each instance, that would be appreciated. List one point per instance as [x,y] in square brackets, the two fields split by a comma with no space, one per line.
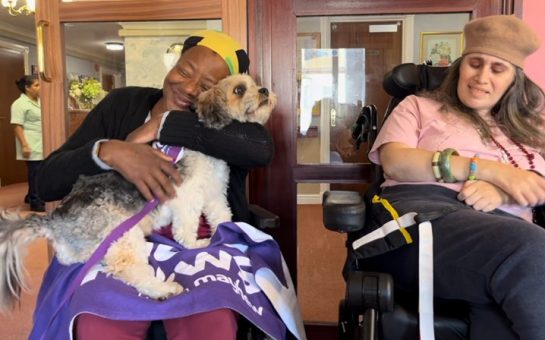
[164,290]
[188,239]
[194,243]
[204,242]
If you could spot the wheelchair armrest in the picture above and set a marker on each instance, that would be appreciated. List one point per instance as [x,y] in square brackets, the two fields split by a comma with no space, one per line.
[262,218]
[366,290]
[343,211]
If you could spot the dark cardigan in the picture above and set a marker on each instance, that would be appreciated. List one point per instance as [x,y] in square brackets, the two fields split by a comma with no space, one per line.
[241,145]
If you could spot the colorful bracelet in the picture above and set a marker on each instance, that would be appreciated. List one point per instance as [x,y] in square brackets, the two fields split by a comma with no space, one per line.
[435,166]
[473,168]
[444,165]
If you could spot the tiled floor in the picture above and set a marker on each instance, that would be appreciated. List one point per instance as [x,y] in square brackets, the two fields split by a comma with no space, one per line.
[16,324]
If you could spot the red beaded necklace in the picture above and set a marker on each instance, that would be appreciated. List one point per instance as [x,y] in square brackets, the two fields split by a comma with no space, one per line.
[529,156]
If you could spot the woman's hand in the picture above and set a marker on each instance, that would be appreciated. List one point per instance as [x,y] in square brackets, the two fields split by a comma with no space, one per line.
[147,132]
[482,195]
[20,135]
[26,151]
[527,188]
[151,171]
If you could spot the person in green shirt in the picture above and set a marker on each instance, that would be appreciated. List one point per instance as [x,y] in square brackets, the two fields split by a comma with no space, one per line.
[26,118]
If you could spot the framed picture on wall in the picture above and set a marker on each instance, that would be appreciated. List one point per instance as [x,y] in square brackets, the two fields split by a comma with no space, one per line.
[441,48]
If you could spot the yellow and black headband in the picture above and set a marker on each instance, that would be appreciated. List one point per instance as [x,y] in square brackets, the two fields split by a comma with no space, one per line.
[228,48]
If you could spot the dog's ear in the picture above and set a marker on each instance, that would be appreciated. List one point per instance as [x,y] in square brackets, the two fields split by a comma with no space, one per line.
[212,108]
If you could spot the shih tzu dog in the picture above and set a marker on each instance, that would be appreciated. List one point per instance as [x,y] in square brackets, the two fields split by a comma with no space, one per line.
[98,204]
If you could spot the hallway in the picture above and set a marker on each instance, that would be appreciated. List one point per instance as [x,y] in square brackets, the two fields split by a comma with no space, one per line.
[16,324]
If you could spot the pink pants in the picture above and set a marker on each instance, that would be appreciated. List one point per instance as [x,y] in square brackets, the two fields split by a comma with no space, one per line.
[217,324]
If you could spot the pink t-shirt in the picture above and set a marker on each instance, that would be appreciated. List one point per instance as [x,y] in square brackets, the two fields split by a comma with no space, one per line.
[419,123]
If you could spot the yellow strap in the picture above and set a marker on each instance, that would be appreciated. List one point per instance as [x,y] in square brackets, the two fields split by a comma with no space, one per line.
[395,216]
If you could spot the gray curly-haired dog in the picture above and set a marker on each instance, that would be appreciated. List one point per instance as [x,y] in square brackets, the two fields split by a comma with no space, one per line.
[98,204]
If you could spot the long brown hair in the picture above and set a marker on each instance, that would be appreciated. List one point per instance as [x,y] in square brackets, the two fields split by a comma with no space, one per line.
[518,113]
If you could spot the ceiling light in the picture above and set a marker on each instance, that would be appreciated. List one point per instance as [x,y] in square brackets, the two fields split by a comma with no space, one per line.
[114,46]
[27,9]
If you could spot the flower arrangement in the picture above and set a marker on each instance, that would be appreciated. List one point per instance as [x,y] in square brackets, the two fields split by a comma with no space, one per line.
[441,53]
[442,48]
[86,91]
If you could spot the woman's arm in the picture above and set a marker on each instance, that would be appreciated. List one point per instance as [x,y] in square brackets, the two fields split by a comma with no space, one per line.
[242,145]
[406,164]
[112,119]
[245,145]
[483,196]
[151,171]
[20,135]
[17,119]
[61,169]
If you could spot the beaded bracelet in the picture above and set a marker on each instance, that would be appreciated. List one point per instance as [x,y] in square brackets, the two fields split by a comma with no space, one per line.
[473,168]
[444,165]
[435,166]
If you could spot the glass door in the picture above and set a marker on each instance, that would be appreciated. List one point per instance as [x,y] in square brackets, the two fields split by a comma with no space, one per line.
[335,82]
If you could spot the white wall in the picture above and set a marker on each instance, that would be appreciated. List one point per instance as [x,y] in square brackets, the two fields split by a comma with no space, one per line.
[82,67]
[146,44]
[532,14]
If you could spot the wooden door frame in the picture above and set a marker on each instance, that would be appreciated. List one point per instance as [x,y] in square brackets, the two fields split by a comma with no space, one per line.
[51,14]
[12,170]
[272,38]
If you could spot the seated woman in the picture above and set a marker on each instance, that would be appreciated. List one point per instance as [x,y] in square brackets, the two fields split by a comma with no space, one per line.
[470,153]
[219,280]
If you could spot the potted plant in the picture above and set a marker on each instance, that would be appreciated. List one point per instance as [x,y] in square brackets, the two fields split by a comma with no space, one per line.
[86,92]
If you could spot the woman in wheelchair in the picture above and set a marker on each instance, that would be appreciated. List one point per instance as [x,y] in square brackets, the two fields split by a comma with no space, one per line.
[469,156]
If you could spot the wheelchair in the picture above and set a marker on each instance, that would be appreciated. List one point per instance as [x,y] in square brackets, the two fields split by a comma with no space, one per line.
[369,310]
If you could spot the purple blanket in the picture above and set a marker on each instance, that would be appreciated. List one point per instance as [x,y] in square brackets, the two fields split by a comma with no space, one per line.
[242,269]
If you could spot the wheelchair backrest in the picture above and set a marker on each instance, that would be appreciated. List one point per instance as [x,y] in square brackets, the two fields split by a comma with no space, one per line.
[406,79]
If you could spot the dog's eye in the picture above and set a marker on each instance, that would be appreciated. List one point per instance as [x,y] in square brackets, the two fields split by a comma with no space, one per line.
[239,90]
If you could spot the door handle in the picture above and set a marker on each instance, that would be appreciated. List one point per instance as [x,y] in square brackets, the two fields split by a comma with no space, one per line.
[40,44]
[333,117]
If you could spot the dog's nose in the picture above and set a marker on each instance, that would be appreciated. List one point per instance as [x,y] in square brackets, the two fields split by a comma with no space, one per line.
[264,91]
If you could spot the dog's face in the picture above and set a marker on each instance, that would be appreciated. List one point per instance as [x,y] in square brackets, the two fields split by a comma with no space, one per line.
[235,97]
